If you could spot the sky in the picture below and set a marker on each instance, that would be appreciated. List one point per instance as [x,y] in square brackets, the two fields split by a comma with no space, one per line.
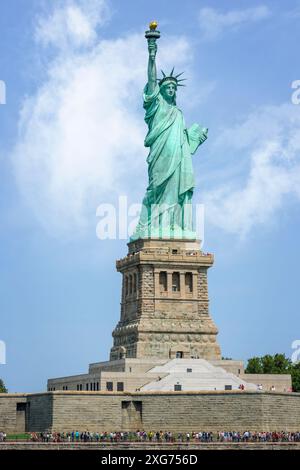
[71,142]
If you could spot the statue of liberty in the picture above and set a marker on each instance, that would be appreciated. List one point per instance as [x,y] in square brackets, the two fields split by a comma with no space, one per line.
[167,209]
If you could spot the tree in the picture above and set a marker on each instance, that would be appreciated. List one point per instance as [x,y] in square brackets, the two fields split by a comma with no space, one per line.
[277,364]
[3,389]
[267,362]
[254,366]
[281,364]
[295,372]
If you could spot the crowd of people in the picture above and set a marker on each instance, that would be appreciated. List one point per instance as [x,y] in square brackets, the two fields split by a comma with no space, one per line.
[160,436]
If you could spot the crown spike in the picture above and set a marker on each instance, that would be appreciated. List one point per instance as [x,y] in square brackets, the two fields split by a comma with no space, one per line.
[171,77]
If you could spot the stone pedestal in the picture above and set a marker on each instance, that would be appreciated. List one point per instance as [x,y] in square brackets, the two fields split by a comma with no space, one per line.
[164,304]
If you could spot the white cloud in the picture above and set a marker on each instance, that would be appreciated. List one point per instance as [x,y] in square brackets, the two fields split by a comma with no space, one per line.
[72,23]
[82,131]
[214,23]
[266,149]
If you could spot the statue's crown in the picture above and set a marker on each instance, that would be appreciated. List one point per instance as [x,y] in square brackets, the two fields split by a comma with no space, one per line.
[171,78]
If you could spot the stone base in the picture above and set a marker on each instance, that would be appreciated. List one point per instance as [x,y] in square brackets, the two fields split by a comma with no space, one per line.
[164,307]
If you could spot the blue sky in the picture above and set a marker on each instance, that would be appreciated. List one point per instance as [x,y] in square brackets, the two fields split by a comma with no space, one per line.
[71,138]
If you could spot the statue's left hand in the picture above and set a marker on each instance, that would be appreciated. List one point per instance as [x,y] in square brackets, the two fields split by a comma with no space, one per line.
[196,136]
[197,133]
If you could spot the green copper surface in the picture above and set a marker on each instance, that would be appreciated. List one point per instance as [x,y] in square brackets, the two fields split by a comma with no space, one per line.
[167,205]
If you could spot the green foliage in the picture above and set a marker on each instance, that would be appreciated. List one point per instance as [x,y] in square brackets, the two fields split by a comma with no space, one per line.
[295,372]
[267,363]
[281,364]
[277,364]
[254,366]
[3,389]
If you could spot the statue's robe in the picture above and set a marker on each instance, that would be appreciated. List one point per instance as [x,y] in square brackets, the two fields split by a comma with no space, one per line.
[170,170]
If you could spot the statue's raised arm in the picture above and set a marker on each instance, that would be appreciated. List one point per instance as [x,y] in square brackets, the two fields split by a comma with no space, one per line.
[152,74]
[152,35]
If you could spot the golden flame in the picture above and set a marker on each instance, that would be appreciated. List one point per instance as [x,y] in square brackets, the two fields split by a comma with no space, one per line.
[153,25]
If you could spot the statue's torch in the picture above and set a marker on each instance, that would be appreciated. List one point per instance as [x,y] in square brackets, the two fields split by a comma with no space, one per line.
[152,35]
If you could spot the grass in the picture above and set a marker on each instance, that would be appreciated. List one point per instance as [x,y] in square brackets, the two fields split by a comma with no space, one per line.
[18,437]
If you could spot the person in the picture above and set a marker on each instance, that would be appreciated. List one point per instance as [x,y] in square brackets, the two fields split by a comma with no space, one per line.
[166,208]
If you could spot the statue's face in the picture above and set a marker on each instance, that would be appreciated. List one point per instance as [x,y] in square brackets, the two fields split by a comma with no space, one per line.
[169,92]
